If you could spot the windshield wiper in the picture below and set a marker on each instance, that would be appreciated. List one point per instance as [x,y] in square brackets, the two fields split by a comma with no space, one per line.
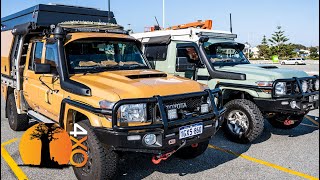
[97,69]
[134,66]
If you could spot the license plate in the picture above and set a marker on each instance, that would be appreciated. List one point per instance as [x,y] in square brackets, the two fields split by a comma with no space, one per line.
[191,130]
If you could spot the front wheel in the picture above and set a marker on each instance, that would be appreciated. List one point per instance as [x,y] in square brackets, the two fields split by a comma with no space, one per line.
[283,63]
[191,152]
[102,162]
[296,63]
[285,121]
[243,121]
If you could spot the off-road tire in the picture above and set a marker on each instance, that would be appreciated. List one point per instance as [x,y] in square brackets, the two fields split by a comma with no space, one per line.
[104,160]
[190,152]
[277,120]
[17,122]
[255,118]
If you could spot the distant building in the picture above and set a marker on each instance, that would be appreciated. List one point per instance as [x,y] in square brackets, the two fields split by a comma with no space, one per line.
[255,52]
[303,53]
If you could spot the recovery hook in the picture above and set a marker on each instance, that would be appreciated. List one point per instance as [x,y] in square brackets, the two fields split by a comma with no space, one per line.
[158,158]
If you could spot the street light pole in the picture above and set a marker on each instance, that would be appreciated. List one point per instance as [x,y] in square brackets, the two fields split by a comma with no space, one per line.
[163,20]
[108,11]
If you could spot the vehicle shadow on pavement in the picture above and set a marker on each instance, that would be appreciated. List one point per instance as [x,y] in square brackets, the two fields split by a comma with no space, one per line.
[305,127]
[138,166]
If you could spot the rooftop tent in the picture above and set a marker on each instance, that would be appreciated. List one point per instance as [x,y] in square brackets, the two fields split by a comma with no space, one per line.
[45,15]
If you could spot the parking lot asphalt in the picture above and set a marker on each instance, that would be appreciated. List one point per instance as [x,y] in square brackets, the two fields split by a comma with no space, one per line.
[276,154]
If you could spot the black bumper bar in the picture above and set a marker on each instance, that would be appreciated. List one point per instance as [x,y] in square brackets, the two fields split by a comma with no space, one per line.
[116,136]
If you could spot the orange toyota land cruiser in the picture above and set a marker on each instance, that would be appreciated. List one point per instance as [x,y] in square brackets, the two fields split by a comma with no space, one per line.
[74,65]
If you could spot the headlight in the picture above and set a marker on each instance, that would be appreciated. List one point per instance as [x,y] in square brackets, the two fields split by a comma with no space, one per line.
[280,88]
[304,86]
[133,113]
[316,85]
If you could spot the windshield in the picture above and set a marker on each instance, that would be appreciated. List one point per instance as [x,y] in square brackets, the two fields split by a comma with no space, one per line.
[97,55]
[223,54]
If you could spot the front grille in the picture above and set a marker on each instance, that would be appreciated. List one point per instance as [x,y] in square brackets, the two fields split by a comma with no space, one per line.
[193,103]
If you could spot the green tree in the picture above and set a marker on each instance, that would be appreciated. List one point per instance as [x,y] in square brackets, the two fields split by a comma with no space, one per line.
[264,40]
[264,50]
[278,37]
[278,40]
[313,52]
[299,46]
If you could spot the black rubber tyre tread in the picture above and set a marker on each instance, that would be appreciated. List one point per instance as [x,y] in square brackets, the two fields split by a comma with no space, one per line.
[256,121]
[190,152]
[277,121]
[105,161]
[17,122]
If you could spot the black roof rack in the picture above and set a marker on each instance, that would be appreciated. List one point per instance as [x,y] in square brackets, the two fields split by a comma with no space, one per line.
[45,15]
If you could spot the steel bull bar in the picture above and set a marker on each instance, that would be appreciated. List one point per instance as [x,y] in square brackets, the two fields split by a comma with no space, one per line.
[296,80]
[216,112]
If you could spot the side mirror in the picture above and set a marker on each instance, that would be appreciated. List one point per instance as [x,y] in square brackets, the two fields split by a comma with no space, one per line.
[183,65]
[42,68]
[203,39]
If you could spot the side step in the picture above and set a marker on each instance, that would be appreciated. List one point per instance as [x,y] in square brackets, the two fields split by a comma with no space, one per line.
[38,117]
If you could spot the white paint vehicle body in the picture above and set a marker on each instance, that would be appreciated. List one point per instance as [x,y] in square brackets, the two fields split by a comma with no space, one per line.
[295,61]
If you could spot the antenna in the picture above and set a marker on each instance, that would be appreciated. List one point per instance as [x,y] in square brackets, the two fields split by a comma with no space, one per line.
[157,27]
[157,21]
[108,11]
[230,23]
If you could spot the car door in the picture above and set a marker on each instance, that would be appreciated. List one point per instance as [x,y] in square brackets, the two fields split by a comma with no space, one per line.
[31,81]
[190,52]
[50,92]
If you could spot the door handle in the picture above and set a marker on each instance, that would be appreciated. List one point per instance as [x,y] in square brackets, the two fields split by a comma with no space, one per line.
[46,96]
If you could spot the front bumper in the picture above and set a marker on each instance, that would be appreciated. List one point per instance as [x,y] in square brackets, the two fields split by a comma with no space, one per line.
[305,101]
[283,105]
[166,131]
[166,140]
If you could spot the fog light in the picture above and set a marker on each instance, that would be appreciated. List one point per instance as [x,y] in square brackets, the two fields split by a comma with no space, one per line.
[293,104]
[172,114]
[284,103]
[204,108]
[149,139]
[133,137]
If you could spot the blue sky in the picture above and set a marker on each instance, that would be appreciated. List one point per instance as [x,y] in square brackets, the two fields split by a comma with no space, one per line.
[251,18]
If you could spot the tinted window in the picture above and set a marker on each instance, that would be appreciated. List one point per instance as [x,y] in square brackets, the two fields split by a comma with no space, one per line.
[51,56]
[156,52]
[36,54]
[188,52]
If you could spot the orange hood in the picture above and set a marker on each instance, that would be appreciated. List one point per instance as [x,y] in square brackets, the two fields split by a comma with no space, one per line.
[116,85]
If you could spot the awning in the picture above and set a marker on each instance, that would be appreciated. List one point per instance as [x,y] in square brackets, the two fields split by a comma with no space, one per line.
[157,40]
